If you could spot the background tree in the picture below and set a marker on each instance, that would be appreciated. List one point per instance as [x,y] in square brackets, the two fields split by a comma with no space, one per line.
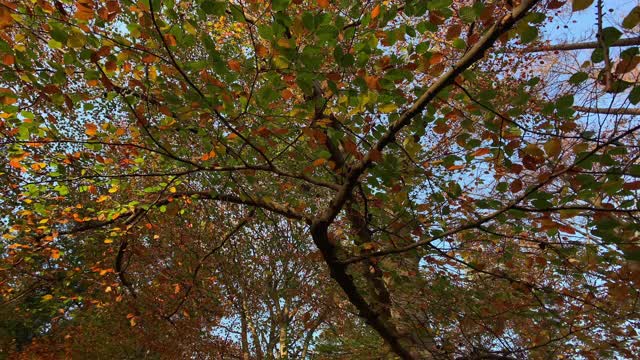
[202,167]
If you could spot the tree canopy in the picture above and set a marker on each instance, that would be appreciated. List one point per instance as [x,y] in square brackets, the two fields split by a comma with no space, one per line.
[319,179]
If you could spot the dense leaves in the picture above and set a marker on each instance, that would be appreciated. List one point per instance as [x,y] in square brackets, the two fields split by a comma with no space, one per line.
[440,179]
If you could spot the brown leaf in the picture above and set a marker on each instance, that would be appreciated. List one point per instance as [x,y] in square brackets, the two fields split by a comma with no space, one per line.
[516,186]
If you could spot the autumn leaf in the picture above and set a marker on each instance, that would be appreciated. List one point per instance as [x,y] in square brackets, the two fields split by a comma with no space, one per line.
[372,82]
[436,58]
[5,17]
[170,40]
[8,59]
[323,3]
[319,162]
[91,129]
[234,65]
[375,12]
[481,152]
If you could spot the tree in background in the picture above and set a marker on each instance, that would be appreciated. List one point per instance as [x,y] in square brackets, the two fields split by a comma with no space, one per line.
[182,179]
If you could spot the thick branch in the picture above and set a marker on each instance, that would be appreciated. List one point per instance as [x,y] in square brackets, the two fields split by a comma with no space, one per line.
[320,225]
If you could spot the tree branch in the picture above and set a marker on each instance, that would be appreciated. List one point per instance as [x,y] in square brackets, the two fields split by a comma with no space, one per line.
[320,224]
[634,41]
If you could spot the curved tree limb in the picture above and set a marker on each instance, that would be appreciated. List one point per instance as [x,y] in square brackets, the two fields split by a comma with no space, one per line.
[320,224]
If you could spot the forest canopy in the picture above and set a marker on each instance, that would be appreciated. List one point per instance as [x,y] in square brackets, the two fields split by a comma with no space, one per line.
[319,179]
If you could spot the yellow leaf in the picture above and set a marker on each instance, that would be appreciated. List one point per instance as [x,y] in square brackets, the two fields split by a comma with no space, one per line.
[47,297]
[387,108]
[172,189]
[189,28]
[108,241]
[113,189]
[102,198]
[153,74]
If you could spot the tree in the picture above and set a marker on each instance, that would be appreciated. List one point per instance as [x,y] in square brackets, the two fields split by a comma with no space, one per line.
[202,167]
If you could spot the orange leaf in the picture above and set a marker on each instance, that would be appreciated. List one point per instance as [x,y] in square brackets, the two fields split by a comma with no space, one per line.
[455,167]
[91,129]
[286,94]
[170,39]
[8,59]
[15,163]
[375,12]
[55,254]
[323,3]
[319,162]
[262,51]
[372,82]
[234,65]
[148,59]
[436,58]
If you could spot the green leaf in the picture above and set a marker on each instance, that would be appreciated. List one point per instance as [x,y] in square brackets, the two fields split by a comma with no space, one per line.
[631,20]
[634,95]
[564,102]
[279,5]
[578,78]
[211,7]
[528,34]
[438,4]
[581,4]
[459,43]
[468,14]
[59,34]
[610,35]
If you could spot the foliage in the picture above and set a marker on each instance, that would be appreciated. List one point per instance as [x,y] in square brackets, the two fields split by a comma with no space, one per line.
[318,179]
